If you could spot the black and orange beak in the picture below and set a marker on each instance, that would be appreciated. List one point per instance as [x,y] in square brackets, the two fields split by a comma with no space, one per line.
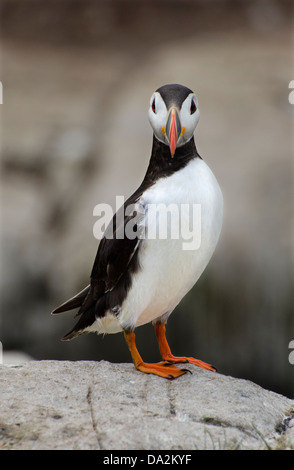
[173,129]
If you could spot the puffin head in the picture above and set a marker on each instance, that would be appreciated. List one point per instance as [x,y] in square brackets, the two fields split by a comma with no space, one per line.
[173,115]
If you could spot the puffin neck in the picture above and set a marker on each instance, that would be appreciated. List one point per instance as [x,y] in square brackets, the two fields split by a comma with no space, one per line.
[162,164]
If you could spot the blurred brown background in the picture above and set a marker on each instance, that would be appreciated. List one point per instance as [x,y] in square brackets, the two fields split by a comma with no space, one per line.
[77,78]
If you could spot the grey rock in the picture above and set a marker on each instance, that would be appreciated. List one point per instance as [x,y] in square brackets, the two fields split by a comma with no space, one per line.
[100,405]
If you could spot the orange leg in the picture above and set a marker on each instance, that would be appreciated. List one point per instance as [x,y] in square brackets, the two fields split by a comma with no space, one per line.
[167,355]
[163,369]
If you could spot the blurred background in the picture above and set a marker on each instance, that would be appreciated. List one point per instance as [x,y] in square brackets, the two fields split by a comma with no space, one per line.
[77,78]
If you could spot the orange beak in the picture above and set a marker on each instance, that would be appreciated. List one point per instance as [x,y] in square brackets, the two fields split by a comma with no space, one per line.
[173,129]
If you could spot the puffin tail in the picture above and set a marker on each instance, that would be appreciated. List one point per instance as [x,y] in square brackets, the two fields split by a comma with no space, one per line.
[86,319]
[74,302]
[87,302]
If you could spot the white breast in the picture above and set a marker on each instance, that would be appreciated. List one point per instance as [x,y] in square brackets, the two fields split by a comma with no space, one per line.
[168,270]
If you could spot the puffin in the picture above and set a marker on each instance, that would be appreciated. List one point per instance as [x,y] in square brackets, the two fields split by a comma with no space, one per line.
[141,274]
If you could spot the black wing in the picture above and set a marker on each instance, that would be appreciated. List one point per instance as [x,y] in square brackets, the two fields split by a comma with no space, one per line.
[115,260]
[118,245]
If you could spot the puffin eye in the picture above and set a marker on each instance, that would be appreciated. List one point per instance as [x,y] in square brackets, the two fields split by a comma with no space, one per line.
[153,106]
[193,107]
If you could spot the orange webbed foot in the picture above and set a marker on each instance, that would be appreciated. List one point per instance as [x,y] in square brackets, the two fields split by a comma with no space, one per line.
[162,369]
[167,355]
[189,360]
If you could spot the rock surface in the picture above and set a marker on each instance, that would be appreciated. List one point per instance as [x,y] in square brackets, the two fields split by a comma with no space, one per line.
[105,406]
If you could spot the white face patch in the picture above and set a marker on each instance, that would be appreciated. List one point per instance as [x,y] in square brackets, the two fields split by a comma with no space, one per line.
[158,116]
[189,116]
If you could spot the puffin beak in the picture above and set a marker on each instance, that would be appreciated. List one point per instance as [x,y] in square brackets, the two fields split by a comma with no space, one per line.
[173,129]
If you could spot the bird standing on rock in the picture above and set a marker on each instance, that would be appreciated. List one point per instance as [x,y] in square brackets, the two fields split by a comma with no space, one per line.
[139,279]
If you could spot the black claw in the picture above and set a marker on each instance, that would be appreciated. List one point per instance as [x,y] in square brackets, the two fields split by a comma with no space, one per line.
[186,370]
[171,377]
